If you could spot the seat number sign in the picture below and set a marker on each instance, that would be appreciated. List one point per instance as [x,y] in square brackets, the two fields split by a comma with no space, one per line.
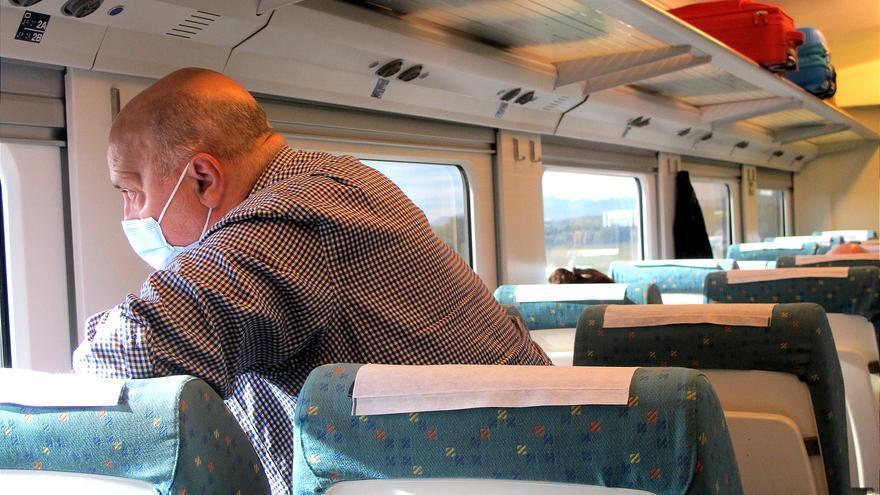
[32,27]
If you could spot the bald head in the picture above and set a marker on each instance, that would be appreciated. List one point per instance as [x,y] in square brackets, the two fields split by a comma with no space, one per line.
[187,112]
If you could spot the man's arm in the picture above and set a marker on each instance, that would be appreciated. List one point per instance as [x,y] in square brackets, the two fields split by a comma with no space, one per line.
[238,303]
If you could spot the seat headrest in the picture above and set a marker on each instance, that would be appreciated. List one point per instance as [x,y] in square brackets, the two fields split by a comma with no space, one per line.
[798,341]
[670,276]
[671,419]
[564,313]
[173,432]
[849,290]
[855,259]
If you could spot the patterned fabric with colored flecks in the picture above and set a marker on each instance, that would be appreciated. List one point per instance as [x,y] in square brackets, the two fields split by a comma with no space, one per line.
[174,433]
[565,314]
[734,252]
[669,278]
[797,341]
[791,262]
[858,294]
[671,438]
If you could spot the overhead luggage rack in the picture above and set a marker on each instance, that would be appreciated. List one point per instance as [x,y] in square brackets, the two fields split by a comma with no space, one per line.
[582,69]
[637,43]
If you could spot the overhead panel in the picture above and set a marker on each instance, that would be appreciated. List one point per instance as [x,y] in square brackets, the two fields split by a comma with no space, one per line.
[704,85]
[790,118]
[551,30]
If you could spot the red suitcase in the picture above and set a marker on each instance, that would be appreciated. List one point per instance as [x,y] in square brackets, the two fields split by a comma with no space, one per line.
[760,31]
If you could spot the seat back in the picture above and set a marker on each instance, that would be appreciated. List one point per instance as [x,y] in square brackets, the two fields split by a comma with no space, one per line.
[770,251]
[560,306]
[789,338]
[668,436]
[551,312]
[842,291]
[173,433]
[850,235]
[862,259]
[823,243]
[670,276]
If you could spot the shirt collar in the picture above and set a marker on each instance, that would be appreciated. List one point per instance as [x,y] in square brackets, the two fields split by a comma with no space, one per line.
[276,167]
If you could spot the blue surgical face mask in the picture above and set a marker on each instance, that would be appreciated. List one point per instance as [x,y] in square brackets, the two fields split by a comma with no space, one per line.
[146,238]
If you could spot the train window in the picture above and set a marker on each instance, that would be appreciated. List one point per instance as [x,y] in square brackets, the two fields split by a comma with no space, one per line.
[591,219]
[5,345]
[714,200]
[441,192]
[771,213]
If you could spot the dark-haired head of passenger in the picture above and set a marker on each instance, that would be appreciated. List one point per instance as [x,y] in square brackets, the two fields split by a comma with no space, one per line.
[579,276]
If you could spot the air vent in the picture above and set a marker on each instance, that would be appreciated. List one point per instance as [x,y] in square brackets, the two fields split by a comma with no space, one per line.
[684,132]
[526,98]
[194,24]
[778,153]
[411,73]
[80,8]
[390,68]
[23,3]
[510,94]
[555,103]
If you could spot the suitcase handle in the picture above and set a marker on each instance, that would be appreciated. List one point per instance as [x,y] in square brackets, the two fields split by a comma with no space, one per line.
[796,37]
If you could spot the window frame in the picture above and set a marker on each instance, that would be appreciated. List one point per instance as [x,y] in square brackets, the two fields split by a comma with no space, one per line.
[5,327]
[466,195]
[646,184]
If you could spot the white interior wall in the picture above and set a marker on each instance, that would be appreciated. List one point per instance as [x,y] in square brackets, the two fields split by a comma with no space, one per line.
[841,190]
[519,213]
[105,267]
[35,253]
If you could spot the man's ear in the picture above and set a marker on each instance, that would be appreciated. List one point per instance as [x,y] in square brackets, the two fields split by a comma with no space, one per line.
[211,176]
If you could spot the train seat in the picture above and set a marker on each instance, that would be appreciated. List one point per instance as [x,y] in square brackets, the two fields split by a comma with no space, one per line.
[859,259]
[750,348]
[551,312]
[168,435]
[850,235]
[823,243]
[770,251]
[486,430]
[849,296]
[679,281]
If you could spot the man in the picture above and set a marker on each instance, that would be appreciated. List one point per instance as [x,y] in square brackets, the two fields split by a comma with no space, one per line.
[271,262]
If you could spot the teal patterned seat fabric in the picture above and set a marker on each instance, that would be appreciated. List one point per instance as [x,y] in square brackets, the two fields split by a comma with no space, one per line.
[565,314]
[797,341]
[858,294]
[173,432]
[670,276]
[823,243]
[792,261]
[671,438]
[738,252]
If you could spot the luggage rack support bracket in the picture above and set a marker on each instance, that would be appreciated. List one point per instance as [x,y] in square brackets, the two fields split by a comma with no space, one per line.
[608,71]
[726,113]
[794,134]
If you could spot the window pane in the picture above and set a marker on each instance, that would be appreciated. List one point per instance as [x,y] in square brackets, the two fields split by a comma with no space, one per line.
[771,213]
[714,200]
[591,220]
[441,192]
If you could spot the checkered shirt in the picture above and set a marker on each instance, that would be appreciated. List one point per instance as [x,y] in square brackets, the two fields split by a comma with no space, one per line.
[326,261]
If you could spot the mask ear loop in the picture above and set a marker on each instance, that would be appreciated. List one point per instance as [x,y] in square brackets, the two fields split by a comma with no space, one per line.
[205,227]
[173,192]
